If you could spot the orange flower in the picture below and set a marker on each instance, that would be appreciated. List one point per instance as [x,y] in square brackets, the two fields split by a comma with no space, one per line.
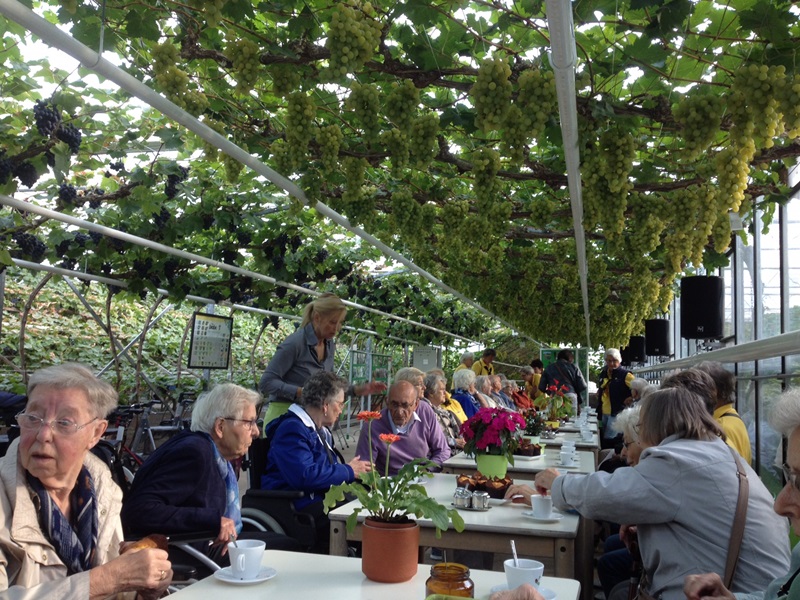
[389,438]
[368,415]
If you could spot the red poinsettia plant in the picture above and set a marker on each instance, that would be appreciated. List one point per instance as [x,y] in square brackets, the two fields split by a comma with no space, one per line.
[494,431]
[393,498]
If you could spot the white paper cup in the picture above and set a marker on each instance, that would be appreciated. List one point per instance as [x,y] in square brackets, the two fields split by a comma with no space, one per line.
[246,559]
[528,571]
[567,458]
[542,506]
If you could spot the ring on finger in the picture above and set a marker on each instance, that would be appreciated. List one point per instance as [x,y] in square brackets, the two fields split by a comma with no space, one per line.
[163,575]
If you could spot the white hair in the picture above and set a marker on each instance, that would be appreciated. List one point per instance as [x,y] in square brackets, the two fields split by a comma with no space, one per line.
[785,414]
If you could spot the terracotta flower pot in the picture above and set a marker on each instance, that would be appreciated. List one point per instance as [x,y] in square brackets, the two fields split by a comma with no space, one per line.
[390,551]
[491,465]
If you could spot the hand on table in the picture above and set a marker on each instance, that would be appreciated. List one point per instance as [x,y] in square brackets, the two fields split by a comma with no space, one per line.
[706,587]
[524,592]
[523,493]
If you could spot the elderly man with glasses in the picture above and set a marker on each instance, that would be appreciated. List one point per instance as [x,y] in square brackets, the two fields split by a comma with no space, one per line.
[188,484]
[415,423]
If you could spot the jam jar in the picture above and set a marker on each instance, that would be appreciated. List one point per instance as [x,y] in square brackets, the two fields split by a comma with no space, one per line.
[450,579]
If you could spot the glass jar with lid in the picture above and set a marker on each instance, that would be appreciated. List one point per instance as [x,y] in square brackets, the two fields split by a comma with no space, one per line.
[450,579]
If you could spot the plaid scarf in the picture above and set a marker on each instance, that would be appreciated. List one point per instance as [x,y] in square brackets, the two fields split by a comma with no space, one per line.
[75,538]
[233,508]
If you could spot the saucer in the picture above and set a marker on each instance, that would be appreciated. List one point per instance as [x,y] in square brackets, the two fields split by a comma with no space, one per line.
[225,574]
[524,458]
[546,592]
[554,517]
[572,466]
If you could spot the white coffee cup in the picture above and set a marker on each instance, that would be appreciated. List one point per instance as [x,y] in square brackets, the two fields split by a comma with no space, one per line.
[527,571]
[246,558]
[542,506]
[568,445]
[567,458]
[586,434]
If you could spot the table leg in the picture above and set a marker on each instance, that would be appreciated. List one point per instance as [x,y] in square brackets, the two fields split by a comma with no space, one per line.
[338,544]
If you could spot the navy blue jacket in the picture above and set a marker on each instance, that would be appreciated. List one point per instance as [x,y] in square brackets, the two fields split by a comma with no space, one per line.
[298,460]
[177,490]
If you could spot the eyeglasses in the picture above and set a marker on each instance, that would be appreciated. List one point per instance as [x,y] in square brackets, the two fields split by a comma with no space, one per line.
[791,477]
[65,427]
[626,444]
[398,406]
[250,422]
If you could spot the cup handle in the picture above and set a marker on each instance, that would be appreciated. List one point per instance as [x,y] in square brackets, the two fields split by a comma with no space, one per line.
[240,563]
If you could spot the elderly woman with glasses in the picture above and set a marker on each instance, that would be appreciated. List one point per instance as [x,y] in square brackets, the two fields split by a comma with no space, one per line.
[188,485]
[785,418]
[61,531]
[682,498]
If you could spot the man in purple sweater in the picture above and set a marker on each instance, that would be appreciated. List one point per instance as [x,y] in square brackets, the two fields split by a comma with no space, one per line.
[415,423]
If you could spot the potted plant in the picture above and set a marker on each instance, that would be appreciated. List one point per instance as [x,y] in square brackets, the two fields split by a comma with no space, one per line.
[557,405]
[534,425]
[390,537]
[491,435]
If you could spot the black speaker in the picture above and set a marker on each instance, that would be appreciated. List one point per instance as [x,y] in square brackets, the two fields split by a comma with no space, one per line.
[702,307]
[635,350]
[657,341]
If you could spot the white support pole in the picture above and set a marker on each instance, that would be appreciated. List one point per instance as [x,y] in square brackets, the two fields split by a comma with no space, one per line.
[563,59]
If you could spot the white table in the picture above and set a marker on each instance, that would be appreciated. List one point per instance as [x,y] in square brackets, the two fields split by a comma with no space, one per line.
[320,577]
[464,464]
[488,531]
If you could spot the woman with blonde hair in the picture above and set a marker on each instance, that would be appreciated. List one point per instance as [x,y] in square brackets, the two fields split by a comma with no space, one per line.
[308,350]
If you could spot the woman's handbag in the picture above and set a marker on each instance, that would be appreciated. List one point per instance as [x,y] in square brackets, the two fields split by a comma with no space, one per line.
[737,533]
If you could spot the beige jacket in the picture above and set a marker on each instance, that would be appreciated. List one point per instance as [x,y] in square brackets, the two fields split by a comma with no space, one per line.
[29,565]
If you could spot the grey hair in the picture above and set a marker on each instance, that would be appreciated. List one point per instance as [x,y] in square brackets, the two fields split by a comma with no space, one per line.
[102,396]
[463,378]
[431,381]
[613,353]
[410,374]
[724,380]
[785,413]
[224,400]
[527,370]
[676,411]
[696,381]
[627,422]
[642,386]
[467,356]
[321,388]
[480,380]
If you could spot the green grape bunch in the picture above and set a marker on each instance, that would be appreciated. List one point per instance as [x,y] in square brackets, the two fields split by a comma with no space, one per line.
[537,99]
[245,61]
[699,118]
[353,36]
[397,145]
[423,141]
[300,113]
[364,100]
[329,139]
[406,213]
[401,104]
[164,56]
[754,105]
[491,93]
[211,8]
[285,79]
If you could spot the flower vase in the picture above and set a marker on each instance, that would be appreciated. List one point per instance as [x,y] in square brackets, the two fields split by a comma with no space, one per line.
[390,551]
[492,465]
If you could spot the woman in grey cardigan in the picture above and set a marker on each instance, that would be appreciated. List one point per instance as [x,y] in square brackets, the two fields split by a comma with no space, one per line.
[682,499]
